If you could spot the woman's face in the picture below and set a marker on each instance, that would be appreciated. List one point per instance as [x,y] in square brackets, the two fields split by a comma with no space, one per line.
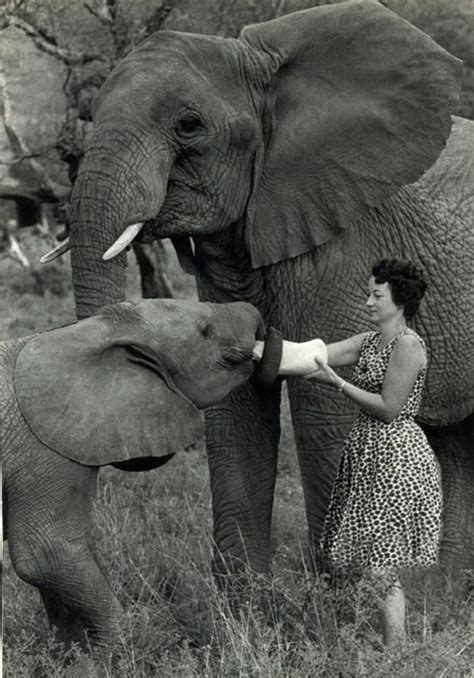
[380,303]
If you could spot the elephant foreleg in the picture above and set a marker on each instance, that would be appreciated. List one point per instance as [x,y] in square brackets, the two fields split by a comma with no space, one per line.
[320,422]
[92,607]
[242,441]
[61,618]
[50,523]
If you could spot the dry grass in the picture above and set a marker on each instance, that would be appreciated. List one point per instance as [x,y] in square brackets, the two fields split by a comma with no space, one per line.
[154,534]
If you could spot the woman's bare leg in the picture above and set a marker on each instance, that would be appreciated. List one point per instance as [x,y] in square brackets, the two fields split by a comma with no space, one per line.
[392,615]
[392,609]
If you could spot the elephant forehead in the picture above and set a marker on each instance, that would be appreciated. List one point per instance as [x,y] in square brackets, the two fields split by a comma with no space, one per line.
[174,311]
[169,69]
[177,328]
[170,51]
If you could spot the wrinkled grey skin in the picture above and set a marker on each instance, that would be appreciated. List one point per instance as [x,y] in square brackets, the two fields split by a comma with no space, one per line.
[294,157]
[203,351]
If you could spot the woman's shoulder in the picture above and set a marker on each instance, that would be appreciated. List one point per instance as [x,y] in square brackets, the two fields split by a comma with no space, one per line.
[410,338]
[409,344]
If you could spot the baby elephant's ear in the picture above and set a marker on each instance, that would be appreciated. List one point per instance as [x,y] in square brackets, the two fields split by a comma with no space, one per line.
[98,399]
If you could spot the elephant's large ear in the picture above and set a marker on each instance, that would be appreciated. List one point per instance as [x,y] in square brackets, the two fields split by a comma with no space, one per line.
[362,103]
[91,394]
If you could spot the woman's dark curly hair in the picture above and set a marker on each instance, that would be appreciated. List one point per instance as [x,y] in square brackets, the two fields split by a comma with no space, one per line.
[406,282]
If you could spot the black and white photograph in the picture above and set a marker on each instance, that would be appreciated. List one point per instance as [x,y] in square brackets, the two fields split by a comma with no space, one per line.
[237,338]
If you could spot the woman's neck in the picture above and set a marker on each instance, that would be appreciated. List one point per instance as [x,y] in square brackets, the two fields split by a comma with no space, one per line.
[390,329]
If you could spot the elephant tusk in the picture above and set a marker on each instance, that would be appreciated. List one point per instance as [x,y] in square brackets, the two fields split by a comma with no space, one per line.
[257,352]
[60,249]
[123,241]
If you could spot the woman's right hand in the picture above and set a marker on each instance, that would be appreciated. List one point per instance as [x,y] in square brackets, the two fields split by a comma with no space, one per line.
[324,373]
[319,373]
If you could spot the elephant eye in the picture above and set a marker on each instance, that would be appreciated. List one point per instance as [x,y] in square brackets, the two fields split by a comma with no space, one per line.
[188,124]
[205,328]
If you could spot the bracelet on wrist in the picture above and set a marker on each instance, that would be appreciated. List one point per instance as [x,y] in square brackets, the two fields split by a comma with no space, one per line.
[341,386]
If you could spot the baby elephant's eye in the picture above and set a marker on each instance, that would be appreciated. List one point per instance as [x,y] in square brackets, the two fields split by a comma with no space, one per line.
[188,124]
[205,329]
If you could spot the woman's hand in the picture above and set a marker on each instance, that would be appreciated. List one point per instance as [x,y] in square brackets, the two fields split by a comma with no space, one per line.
[325,374]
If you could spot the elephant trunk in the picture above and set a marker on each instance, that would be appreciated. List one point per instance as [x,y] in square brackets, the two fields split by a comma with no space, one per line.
[117,186]
[96,282]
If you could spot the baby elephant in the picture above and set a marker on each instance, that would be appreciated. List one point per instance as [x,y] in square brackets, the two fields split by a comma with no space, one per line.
[119,388]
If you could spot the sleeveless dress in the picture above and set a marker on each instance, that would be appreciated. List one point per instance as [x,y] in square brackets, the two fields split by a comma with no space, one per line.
[385,508]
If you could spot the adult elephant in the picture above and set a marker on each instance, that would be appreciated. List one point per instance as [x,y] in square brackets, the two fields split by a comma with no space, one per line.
[290,157]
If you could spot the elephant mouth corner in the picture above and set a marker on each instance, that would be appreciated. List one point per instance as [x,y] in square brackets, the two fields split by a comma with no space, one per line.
[148,233]
[234,356]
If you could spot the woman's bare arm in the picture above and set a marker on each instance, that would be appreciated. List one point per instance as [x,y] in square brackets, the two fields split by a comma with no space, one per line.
[345,352]
[405,363]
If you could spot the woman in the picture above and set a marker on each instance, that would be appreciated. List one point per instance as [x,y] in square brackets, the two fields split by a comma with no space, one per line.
[385,508]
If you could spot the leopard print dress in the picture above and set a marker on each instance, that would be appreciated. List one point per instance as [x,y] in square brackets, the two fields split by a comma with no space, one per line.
[385,508]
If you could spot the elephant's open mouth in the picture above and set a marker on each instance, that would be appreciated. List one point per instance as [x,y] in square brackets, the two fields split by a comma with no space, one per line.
[147,234]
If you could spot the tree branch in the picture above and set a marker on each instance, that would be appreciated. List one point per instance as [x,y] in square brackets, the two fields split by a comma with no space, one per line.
[44,45]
